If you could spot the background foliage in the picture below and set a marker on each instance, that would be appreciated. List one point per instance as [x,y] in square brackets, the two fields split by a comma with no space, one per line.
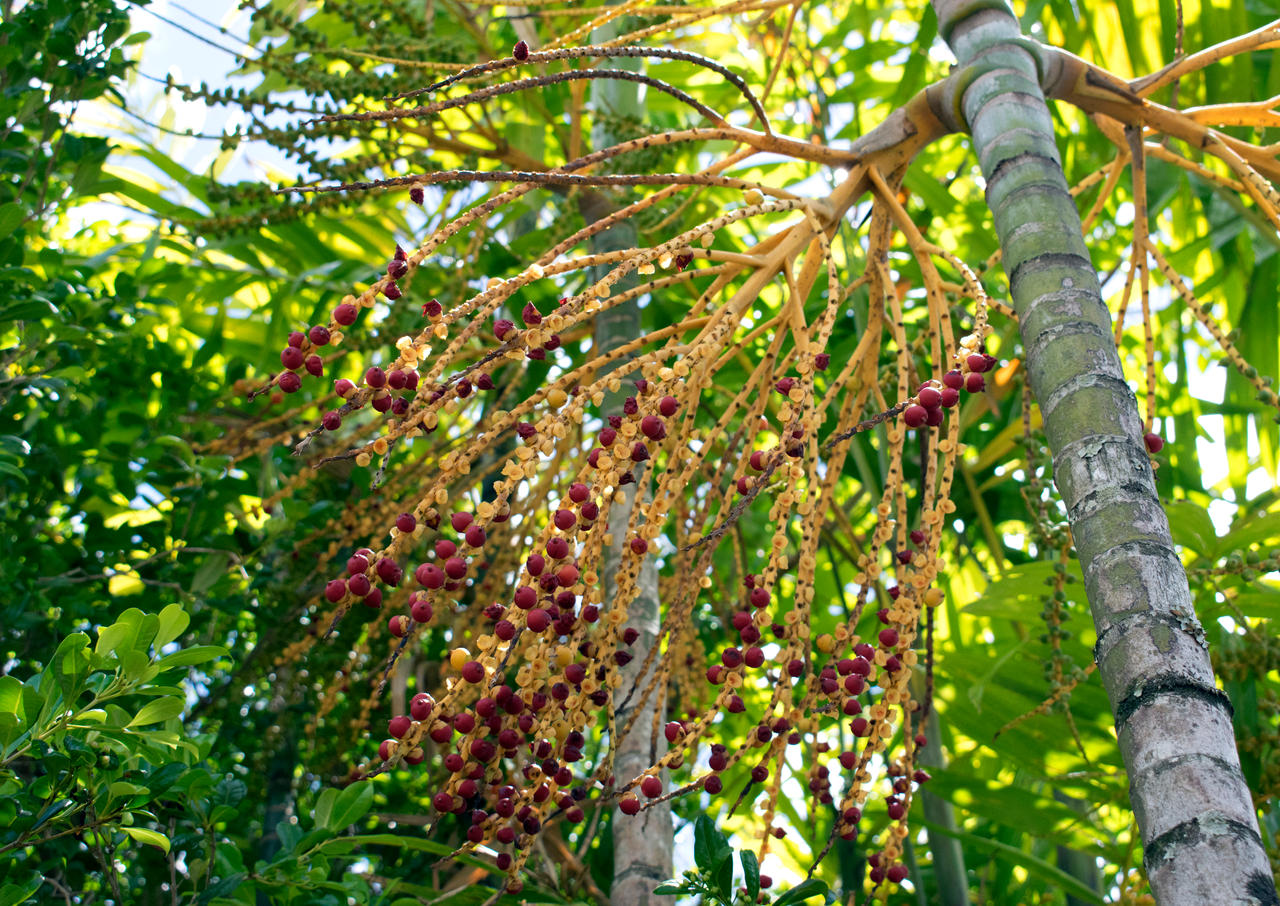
[156,745]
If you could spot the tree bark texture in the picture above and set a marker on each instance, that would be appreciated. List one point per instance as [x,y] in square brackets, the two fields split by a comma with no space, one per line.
[1199,829]
[642,844]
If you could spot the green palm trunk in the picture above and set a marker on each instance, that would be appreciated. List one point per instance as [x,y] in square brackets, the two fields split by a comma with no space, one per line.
[1199,829]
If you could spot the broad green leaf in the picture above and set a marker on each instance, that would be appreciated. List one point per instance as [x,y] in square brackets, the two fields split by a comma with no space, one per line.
[173,623]
[324,806]
[124,788]
[158,710]
[811,887]
[188,657]
[150,837]
[669,887]
[11,215]
[709,845]
[750,873]
[352,805]
[14,893]
[10,695]
[1191,527]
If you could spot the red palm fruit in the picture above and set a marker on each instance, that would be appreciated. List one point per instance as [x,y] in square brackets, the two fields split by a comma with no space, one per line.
[538,620]
[397,268]
[565,520]
[502,327]
[653,427]
[526,596]
[651,786]
[475,536]
[319,335]
[335,590]
[629,804]
[472,672]
[536,563]
[420,706]
[567,574]
[1154,442]
[375,377]
[821,361]
[392,291]
[975,383]
[950,396]
[343,387]
[668,406]
[386,569]
[521,50]
[296,338]
[639,546]
[608,436]
[460,521]
[530,315]
[359,585]
[953,379]
[398,626]
[345,314]
[399,725]
[291,357]
[290,382]
[929,397]
[935,417]
[557,548]
[915,416]
[421,611]
[406,522]
[977,363]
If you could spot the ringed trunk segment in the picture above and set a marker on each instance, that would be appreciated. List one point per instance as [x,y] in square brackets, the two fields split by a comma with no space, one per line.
[1199,829]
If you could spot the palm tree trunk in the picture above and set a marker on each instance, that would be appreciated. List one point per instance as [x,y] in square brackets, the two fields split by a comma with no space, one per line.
[642,845]
[1199,828]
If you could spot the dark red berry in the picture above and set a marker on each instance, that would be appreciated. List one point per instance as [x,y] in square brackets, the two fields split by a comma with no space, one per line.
[416,195]
[290,382]
[953,379]
[375,377]
[391,291]
[521,50]
[974,383]
[1154,442]
[314,365]
[319,335]
[291,357]
[915,416]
